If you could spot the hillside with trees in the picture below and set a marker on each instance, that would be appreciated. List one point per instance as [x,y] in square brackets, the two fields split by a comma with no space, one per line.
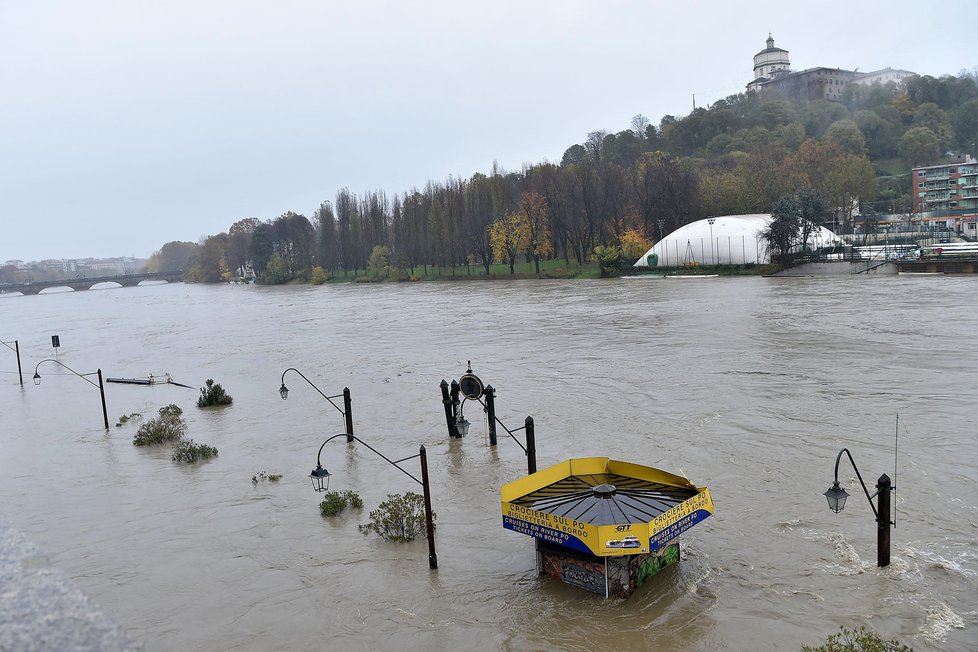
[616,191]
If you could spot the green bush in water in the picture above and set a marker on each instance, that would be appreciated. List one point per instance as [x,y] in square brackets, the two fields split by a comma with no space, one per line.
[189,451]
[861,640]
[168,427]
[213,394]
[335,502]
[399,518]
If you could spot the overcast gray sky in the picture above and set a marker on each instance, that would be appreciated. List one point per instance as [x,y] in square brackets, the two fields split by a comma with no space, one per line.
[125,125]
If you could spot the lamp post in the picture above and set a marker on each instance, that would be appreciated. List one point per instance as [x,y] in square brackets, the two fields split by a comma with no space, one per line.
[664,249]
[16,349]
[101,387]
[836,497]
[713,255]
[320,482]
[346,410]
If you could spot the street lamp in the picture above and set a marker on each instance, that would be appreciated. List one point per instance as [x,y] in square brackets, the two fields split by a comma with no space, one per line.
[470,387]
[713,255]
[16,349]
[663,248]
[836,497]
[320,482]
[101,387]
[346,410]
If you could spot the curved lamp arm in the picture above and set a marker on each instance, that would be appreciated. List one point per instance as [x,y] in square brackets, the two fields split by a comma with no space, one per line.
[285,392]
[37,376]
[865,490]
[394,463]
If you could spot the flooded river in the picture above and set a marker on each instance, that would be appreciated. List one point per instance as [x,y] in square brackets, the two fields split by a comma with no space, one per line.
[749,386]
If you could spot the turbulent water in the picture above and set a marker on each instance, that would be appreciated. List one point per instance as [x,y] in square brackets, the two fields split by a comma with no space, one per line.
[749,386]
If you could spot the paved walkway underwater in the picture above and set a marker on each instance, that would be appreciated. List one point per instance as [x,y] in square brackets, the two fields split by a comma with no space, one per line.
[41,609]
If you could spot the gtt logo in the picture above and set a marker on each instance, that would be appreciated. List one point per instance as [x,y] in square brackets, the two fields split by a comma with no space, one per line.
[623,528]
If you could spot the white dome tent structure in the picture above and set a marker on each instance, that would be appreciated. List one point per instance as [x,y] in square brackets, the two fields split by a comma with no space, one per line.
[722,240]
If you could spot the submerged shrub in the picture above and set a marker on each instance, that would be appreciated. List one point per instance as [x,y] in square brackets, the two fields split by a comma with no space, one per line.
[171,410]
[399,518]
[861,640]
[168,427]
[334,502]
[189,451]
[353,499]
[213,394]
[126,418]
[262,476]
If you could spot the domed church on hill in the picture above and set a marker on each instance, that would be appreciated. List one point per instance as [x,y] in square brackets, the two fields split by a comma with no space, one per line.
[769,63]
[772,71]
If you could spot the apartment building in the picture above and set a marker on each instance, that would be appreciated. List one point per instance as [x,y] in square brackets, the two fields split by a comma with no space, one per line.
[948,192]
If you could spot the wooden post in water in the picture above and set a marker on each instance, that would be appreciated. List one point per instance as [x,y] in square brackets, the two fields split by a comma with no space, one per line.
[348,413]
[447,402]
[531,447]
[428,517]
[884,489]
[20,374]
[101,390]
[490,395]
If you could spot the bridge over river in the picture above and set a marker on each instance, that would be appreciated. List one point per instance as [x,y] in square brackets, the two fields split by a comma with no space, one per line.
[126,280]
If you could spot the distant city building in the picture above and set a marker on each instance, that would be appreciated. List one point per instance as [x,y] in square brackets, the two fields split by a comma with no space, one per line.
[75,267]
[948,193]
[772,71]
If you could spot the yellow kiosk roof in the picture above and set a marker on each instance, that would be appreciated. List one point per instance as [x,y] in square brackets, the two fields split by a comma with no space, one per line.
[604,507]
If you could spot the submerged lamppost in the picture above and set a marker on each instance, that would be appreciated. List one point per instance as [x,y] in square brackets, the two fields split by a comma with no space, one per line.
[346,410]
[836,497]
[320,482]
[101,387]
[470,387]
[16,350]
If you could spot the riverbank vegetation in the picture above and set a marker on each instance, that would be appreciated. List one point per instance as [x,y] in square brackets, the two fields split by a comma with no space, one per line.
[213,394]
[860,640]
[187,450]
[615,191]
[334,502]
[170,428]
[399,518]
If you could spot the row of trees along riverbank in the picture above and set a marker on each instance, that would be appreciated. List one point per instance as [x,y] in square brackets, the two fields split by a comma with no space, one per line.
[616,190]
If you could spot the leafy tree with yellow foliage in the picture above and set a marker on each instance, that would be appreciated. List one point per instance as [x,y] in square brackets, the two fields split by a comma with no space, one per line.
[533,207]
[510,235]
[633,244]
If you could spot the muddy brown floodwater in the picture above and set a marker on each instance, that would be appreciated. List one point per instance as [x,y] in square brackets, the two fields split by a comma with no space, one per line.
[747,385]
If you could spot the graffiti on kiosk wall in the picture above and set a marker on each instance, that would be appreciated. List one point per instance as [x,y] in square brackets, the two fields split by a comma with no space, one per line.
[586,575]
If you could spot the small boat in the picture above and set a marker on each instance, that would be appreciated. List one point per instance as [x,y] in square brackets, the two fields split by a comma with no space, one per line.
[920,273]
[637,276]
[692,275]
[151,379]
